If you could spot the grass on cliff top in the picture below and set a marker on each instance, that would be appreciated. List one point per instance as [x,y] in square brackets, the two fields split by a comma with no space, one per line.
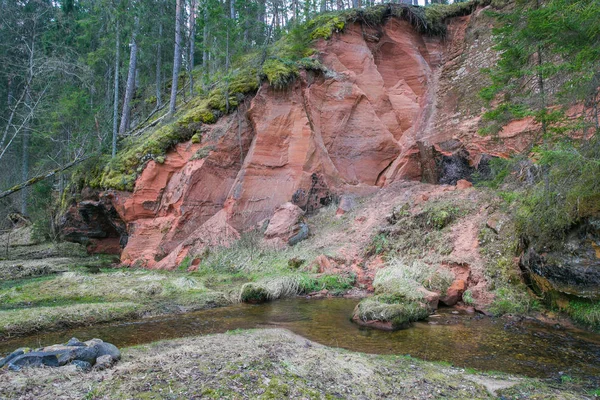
[279,64]
[270,364]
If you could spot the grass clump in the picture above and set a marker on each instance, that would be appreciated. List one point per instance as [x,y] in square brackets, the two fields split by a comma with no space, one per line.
[276,287]
[513,300]
[405,279]
[414,235]
[392,309]
[585,312]
[271,288]
[336,284]
[400,292]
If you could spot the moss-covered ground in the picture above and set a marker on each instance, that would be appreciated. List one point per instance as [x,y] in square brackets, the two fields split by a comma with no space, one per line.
[271,364]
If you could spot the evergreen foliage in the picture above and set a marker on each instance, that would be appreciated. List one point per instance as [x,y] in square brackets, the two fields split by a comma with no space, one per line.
[548,70]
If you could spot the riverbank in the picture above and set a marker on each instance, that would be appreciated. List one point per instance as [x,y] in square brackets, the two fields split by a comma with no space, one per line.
[272,364]
[79,296]
[425,242]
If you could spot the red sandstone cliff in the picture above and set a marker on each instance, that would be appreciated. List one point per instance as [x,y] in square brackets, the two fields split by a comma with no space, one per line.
[390,96]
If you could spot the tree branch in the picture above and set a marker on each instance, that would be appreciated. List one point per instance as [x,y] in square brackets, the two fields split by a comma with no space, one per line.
[39,178]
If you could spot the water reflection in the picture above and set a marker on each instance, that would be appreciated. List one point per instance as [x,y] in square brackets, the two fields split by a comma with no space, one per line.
[527,347]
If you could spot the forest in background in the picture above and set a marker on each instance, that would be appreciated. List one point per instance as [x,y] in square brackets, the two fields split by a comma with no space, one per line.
[77,76]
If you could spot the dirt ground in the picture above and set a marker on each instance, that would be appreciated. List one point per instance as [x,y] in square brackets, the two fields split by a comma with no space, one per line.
[269,364]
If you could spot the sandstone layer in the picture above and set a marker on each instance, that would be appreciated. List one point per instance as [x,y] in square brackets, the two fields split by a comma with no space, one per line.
[393,104]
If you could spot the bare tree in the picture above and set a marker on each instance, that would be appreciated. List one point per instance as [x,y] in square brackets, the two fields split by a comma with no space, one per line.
[130,88]
[116,90]
[192,39]
[176,57]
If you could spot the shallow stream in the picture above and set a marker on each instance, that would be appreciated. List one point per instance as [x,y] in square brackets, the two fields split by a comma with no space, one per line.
[465,340]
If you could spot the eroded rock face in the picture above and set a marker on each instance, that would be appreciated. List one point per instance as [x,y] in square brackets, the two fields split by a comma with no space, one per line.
[387,110]
[573,270]
[95,223]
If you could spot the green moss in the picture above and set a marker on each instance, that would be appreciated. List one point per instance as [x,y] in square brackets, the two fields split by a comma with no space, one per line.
[326,25]
[252,293]
[280,73]
[203,152]
[196,138]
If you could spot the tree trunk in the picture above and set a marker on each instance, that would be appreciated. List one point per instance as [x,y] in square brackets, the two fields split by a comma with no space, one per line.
[116,94]
[130,88]
[25,158]
[176,58]
[159,66]
[26,133]
[232,9]
[191,45]
[227,52]
[205,39]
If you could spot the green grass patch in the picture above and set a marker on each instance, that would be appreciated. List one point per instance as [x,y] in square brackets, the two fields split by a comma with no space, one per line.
[585,312]
[513,300]
[336,284]
[48,318]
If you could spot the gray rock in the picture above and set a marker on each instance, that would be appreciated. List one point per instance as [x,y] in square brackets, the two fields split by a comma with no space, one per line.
[82,365]
[347,204]
[18,352]
[104,362]
[300,236]
[39,358]
[87,354]
[572,268]
[104,348]
[75,342]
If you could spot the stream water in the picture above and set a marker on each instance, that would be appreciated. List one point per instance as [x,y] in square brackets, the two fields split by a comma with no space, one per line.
[465,340]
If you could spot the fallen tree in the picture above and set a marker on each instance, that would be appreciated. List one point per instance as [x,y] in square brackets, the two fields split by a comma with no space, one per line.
[40,178]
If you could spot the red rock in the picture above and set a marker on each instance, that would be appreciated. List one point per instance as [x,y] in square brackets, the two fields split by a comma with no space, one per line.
[463,184]
[347,204]
[430,298]
[285,224]
[352,131]
[454,292]
[324,264]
